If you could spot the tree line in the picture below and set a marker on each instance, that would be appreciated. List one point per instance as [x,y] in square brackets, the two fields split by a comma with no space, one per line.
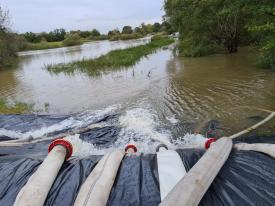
[11,43]
[212,26]
[127,32]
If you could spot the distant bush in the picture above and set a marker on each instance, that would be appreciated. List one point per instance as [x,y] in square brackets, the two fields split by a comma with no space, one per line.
[56,35]
[32,37]
[127,30]
[113,33]
[72,39]
[125,36]
[156,27]
[95,33]
[97,38]
[114,37]
[131,36]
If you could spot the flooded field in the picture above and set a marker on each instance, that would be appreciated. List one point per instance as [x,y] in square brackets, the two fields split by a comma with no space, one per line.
[163,92]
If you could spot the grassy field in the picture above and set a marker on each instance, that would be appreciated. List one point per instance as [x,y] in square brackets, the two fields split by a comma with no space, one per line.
[50,45]
[43,45]
[17,108]
[114,59]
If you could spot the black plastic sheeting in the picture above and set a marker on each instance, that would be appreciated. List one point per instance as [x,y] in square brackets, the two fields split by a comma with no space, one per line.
[247,178]
[101,137]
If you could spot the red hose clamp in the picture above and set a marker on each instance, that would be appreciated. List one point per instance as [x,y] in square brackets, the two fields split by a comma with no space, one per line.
[130,146]
[68,146]
[209,142]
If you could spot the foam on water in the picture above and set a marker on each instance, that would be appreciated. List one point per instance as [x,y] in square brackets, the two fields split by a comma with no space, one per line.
[78,121]
[139,126]
[190,141]
[172,119]
[82,148]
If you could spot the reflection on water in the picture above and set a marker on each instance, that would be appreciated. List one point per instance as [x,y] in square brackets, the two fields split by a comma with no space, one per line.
[183,92]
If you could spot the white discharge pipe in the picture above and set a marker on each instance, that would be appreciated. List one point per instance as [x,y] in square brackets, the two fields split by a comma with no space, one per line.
[35,192]
[268,149]
[192,187]
[170,170]
[96,189]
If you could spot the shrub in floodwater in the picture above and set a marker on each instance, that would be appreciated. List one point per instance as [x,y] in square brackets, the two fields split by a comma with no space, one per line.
[16,108]
[267,54]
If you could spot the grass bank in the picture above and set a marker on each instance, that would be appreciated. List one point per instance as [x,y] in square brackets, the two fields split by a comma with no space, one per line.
[114,59]
[43,45]
[16,108]
[50,45]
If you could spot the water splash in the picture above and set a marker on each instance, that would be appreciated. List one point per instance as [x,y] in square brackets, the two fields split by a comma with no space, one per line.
[138,126]
[78,121]
[190,141]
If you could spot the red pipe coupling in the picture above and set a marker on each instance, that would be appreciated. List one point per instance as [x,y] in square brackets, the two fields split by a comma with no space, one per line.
[66,144]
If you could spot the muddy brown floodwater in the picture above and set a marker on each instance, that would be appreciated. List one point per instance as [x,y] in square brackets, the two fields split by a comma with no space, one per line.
[178,91]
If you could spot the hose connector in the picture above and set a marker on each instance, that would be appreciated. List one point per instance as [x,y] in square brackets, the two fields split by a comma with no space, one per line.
[209,142]
[130,148]
[66,144]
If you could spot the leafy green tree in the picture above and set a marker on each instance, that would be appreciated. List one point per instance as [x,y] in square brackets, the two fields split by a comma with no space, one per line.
[4,20]
[127,30]
[8,46]
[32,37]
[113,32]
[207,26]
[156,27]
[56,35]
[203,23]
[138,30]
[166,27]
[84,34]
[262,26]
[144,28]
[95,33]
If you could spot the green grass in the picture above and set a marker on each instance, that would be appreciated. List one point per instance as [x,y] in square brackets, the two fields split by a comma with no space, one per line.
[43,45]
[16,108]
[50,45]
[112,60]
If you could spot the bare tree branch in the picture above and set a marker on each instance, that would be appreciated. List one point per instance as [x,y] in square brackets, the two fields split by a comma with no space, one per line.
[4,19]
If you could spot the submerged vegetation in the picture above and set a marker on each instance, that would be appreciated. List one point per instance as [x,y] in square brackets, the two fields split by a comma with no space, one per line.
[114,59]
[208,27]
[16,108]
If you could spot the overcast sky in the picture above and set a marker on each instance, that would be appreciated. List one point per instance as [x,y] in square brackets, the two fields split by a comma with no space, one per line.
[46,15]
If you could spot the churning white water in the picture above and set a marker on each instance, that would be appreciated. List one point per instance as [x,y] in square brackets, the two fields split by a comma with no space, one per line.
[139,126]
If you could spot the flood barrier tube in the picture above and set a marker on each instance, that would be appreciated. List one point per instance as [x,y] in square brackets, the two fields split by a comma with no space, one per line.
[97,187]
[268,149]
[35,192]
[170,170]
[192,187]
